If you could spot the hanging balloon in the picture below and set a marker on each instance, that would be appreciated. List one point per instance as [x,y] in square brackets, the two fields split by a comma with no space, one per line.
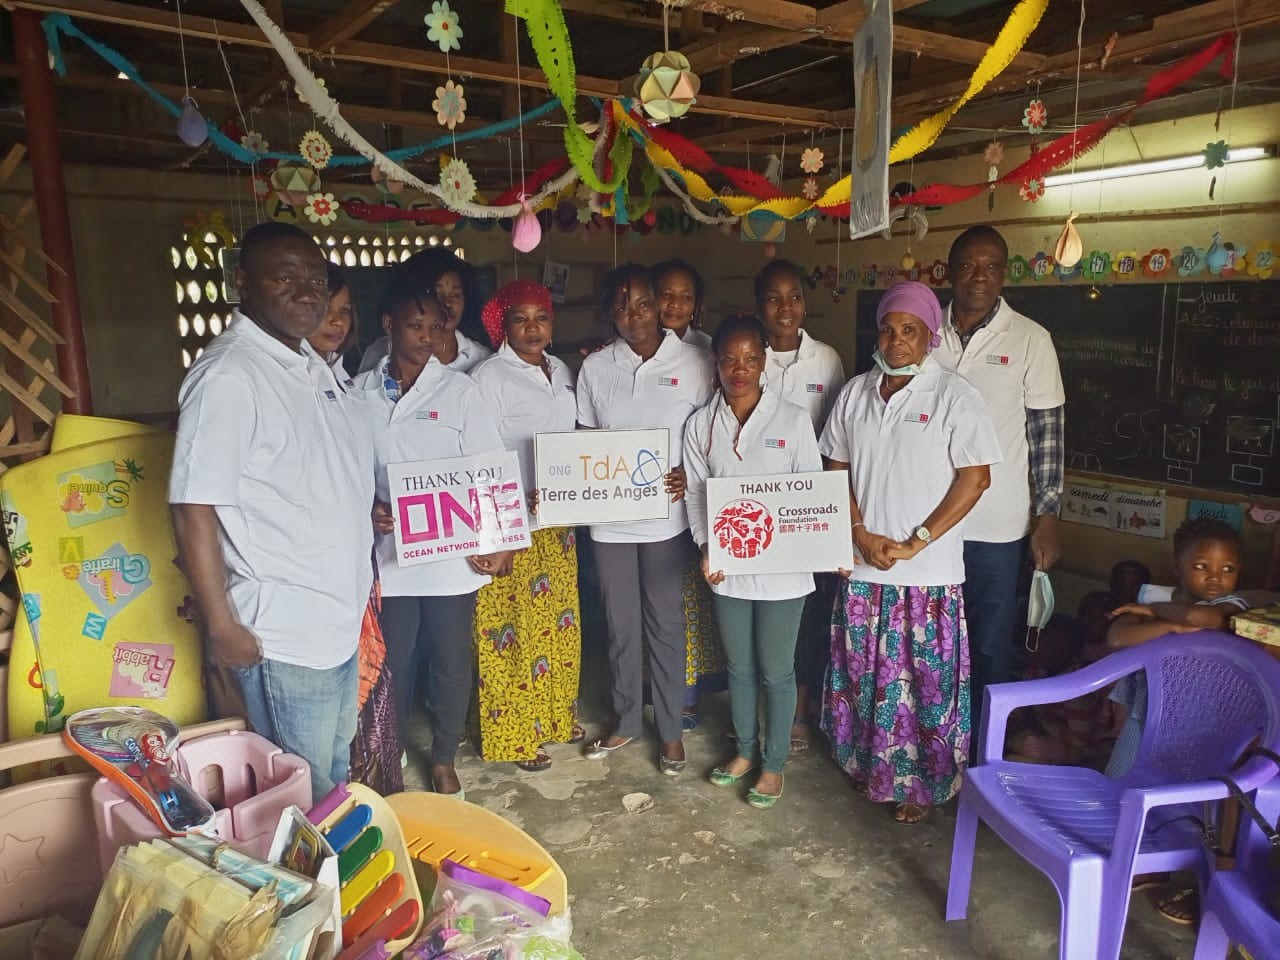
[526,233]
[193,128]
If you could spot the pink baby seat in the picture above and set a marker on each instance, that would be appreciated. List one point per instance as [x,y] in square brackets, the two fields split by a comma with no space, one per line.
[246,778]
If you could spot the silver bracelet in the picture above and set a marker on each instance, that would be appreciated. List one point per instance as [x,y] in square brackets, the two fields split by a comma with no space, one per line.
[857,525]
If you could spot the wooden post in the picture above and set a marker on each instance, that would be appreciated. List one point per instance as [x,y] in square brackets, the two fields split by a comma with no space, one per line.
[41,111]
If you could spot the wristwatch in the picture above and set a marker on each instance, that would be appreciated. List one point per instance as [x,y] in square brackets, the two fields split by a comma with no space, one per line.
[922,534]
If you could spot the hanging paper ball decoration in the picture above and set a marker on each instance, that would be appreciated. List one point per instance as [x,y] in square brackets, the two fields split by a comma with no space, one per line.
[293,183]
[315,149]
[442,26]
[811,160]
[450,104]
[457,186]
[1069,248]
[193,128]
[1035,117]
[526,232]
[667,86]
[321,208]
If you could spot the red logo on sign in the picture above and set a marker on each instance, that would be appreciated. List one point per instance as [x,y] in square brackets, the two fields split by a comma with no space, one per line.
[744,528]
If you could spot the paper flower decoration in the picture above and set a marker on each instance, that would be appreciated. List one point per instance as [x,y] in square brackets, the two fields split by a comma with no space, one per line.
[1127,264]
[321,208]
[1263,262]
[1032,189]
[1065,273]
[1216,257]
[1190,261]
[584,215]
[1215,154]
[938,273]
[1156,262]
[298,90]
[1040,266]
[456,183]
[450,104]
[259,186]
[993,155]
[809,190]
[666,85]
[293,183]
[1036,117]
[1017,269]
[1097,266]
[315,149]
[254,142]
[442,26]
[811,160]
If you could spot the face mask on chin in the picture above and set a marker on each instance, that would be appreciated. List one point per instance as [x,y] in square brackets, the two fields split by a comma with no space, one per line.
[910,370]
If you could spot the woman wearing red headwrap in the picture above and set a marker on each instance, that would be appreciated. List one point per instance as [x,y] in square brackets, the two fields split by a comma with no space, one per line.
[527,629]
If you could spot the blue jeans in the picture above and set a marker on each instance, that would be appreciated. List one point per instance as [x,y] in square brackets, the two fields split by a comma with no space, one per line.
[309,713]
[991,608]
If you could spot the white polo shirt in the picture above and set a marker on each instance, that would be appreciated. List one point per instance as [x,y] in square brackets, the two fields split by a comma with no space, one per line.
[903,457]
[1014,366]
[525,403]
[272,441]
[776,439]
[810,377]
[442,415]
[470,354]
[617,391]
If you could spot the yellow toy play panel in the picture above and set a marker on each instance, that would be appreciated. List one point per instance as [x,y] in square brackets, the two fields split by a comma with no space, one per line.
[105,618]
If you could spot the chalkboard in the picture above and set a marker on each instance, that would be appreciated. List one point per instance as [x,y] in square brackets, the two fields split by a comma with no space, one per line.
[1176,384]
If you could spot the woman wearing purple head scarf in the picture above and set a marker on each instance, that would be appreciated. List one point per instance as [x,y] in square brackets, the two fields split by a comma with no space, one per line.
[917,442]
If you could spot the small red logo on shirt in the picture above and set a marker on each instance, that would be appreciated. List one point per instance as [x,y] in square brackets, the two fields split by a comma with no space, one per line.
[433,414]
[669,381]
[998,359]
[917,418]
[813,388]
[779,444]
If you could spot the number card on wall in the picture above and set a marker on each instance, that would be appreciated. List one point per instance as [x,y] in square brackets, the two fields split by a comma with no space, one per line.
[797,523]
[459,507]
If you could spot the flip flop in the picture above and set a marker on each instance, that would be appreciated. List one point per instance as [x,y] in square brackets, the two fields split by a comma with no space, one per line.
[723,778]
[1181,907]
[596,750]
[910,813]
[538,763]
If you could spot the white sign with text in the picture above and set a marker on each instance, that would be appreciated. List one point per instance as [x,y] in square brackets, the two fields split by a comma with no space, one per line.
[601,476]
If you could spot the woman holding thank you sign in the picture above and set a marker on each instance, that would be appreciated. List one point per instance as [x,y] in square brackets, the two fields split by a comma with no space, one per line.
[747,431]
[648,378]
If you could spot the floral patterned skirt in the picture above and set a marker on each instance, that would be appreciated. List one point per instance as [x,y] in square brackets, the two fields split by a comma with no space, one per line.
[896,703]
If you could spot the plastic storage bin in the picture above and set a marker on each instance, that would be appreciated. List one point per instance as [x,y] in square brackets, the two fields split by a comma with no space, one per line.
[248,779]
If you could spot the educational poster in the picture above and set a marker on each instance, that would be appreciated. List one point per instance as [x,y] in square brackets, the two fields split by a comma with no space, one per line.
[1125,511]
[461,507]
[106,617]
[872,92]
[601,476]
[797,523]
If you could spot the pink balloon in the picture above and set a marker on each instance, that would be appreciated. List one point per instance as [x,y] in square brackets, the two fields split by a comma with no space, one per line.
[526,233]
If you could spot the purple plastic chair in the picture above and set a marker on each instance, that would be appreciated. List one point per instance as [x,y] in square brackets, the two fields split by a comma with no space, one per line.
[1234,910]
[1209,696]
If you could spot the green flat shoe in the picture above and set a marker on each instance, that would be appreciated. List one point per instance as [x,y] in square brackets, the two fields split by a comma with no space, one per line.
[763,801]
[723,778]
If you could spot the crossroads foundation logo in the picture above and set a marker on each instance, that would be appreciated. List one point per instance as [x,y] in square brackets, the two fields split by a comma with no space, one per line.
[97,492]
[744,528]
[113,580]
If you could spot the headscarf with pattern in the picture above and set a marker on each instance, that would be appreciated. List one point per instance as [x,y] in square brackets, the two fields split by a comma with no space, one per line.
[510,295]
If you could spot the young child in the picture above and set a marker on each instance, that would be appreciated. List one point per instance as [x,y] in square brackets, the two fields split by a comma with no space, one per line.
[1206,557]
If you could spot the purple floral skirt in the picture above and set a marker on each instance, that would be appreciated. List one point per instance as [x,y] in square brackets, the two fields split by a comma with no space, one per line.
[896,703]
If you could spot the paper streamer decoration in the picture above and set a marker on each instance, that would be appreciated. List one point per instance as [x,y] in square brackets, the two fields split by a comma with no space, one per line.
[873,95]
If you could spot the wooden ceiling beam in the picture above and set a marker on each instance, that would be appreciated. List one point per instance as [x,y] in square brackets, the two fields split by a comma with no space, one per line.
[347,22]
[770,13]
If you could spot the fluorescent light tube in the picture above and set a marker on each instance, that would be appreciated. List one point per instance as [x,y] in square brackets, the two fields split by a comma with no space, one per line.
[1190,162]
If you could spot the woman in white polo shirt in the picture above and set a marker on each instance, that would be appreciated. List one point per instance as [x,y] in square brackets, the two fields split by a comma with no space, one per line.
[747,431]
[528,630]
[647,378]
[419,409]
[918,444]
[808,373]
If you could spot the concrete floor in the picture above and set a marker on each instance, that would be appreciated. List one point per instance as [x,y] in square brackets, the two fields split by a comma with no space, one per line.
[702,876]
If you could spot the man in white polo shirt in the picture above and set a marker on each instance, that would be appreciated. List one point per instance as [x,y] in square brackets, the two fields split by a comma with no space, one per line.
[271,492]
[1011,360]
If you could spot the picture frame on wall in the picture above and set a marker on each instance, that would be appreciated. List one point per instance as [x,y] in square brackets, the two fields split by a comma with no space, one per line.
[555,277]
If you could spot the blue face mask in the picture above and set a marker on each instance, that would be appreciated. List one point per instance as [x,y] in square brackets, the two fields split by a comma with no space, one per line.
[910,370]
[1039,608]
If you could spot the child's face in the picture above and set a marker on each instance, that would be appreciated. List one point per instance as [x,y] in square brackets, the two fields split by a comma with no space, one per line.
[1209,569]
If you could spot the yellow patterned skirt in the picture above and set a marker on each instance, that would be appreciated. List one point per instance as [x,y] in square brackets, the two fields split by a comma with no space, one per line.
[704,659]
[528,636]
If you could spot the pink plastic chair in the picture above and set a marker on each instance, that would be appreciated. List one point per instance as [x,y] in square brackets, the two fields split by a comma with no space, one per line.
[1210,696]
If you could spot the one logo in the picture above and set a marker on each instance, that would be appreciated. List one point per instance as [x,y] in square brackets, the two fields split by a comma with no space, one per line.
[668,381]
[113,580]
[775,444]
[917,418]
[331,395]
[97,492]
[998,359]
[141,670]
[814,388]
[744,528]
